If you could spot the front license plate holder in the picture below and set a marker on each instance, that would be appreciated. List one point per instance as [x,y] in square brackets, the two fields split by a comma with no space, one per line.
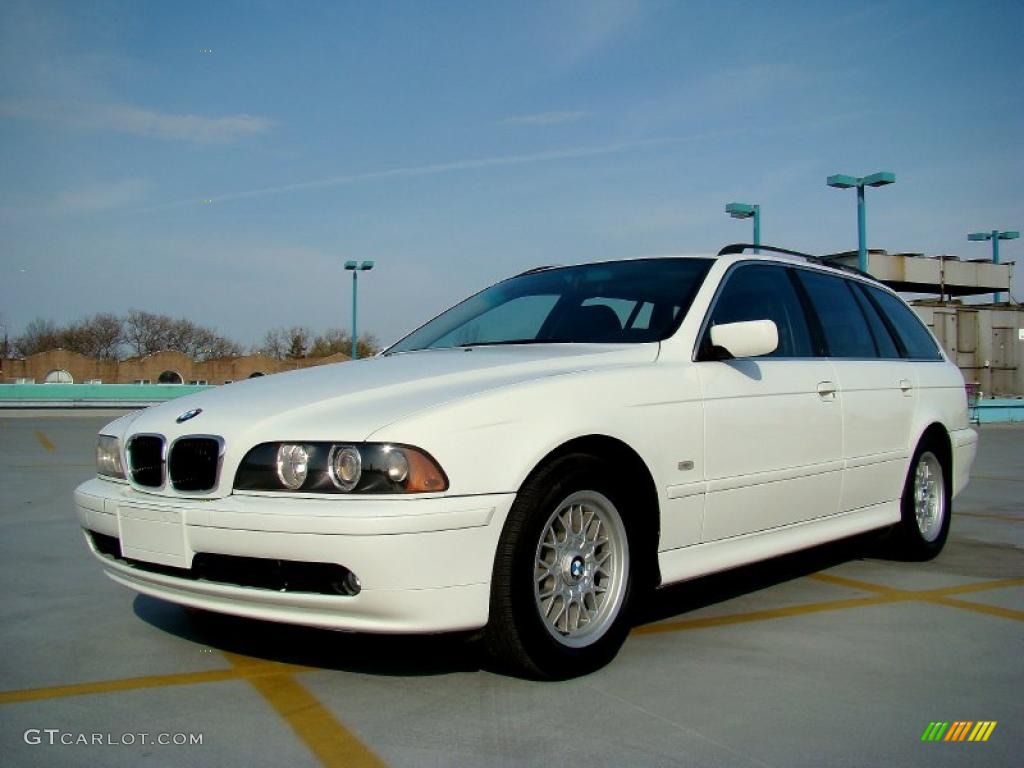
[153,535]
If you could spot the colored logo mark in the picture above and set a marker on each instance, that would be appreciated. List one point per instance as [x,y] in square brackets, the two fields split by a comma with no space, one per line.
[959,730]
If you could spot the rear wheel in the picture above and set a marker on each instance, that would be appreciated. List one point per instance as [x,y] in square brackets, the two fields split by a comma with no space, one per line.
[563,573]
[925,506]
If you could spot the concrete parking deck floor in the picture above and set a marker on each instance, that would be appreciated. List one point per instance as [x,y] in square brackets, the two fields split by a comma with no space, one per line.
[833,657]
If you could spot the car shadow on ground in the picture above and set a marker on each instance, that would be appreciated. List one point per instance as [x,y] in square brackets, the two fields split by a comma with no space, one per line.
[423,655]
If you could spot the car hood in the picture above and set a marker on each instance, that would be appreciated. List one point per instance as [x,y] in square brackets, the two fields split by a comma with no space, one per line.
[349,401]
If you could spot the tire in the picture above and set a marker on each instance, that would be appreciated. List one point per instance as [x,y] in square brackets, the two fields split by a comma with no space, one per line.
[926,506]
[563,574]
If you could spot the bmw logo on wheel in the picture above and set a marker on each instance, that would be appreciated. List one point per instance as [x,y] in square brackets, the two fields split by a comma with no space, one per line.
[189,415]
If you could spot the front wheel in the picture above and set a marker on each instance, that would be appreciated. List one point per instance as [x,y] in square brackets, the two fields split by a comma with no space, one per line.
[562,574]
[925,507]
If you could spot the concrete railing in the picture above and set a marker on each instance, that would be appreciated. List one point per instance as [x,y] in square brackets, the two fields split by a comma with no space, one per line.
[999,410]
[91,395]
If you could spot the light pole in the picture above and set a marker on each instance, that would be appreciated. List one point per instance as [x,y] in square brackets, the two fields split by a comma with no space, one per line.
[995,236]
[356,267]
[746,211]
[841,181]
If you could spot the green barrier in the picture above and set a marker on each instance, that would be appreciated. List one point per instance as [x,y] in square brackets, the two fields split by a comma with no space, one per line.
[999,411]
[85,393]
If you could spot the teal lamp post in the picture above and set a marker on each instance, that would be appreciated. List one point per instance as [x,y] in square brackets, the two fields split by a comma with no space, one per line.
[995,236]
[355,267]
[745,211]
[841,181]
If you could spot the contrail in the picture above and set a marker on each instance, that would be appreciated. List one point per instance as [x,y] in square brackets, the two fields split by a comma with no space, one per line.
[433,169]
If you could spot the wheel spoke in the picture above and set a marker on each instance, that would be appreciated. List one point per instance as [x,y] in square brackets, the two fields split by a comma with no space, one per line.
[579,584]
[929,500]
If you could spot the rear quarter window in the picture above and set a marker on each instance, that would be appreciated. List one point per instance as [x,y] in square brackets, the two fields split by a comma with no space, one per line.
[918,343]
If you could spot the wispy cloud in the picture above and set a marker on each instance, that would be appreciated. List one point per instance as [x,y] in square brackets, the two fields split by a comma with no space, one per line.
[495,161]
[547,118]
[123,118]
[100,197]
[579,30]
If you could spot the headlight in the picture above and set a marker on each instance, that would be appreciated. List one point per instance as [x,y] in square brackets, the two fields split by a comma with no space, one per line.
[108,457]
[345,466]
[292,465]
[339,468]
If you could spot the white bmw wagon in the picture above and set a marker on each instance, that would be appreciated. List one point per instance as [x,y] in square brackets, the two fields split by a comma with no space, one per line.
[532,460]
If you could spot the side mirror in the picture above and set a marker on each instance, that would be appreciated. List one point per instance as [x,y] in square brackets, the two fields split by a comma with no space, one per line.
[751,338]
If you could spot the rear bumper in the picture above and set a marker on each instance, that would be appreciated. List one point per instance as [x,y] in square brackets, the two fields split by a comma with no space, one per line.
[424,564]
[965,448]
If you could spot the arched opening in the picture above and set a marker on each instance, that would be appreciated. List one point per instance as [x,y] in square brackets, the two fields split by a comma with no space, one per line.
[169,377]
[59,377]
[255,374]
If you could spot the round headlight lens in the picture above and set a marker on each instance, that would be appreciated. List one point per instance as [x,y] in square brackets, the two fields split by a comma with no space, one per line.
[292,465]
[396,465]
[345,466]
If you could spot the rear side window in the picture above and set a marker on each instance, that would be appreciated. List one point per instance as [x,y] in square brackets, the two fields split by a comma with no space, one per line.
[879,331]
[843,323]
[764,292]
[917,341]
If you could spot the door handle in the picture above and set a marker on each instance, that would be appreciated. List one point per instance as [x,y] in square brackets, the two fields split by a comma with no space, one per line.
[905,386]
[827,390]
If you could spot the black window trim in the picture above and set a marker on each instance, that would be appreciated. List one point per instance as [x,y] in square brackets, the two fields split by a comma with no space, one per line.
[904,352]
[867,305]
[697,356]
[809,308]
[818,341]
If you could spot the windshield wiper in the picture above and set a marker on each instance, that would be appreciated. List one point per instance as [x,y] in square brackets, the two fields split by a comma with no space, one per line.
[511,342]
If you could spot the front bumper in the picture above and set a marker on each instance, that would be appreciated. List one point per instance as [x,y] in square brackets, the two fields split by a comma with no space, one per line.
[424,564]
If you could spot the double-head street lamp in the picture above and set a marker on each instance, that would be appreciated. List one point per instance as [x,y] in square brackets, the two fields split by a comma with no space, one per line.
[841,181]
[995,236]
[356,267]
[746,211]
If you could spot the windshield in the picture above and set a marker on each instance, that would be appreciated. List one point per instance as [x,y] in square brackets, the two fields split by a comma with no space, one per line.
[622,302]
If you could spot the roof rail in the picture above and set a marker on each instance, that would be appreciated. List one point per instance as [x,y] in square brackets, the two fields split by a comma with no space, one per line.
[741,247]
[735,248]
[531,270]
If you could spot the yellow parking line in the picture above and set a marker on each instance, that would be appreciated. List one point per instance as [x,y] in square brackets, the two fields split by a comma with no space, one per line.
[237,672]
[335,745]
[978,586]
[992,610]
[45,442]
[112,686]
[772,613]
[884,595]
[332,743]
[329,740]
[842,581]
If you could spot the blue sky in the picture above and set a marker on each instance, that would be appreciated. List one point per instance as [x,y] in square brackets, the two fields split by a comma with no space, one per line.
[459,142]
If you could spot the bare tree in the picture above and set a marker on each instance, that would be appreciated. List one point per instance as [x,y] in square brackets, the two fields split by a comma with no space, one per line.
[218,347]
[109,337]
[298,341]
[284,343]
[273,344]
[99,336]
[147,332]
[335,340]
[5,343]
[38,336]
